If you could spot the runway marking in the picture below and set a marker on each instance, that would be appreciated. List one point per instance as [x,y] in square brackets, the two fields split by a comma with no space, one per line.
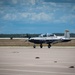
[35,71]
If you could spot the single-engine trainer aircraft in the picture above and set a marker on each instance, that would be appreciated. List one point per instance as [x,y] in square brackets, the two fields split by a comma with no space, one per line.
[50,39]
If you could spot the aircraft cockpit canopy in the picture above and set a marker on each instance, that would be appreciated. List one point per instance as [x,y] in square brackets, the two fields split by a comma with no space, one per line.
[47,35]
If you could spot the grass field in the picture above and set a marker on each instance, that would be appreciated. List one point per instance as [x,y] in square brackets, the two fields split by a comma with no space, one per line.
[23,42]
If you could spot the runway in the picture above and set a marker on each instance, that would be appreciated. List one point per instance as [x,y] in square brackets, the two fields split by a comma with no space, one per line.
[30,61]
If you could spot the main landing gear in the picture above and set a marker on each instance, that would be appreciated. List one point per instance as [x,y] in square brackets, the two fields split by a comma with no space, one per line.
[41,46]
[34,46]
[49,45]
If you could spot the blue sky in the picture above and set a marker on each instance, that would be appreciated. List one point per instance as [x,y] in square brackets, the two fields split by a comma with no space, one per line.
[36,16]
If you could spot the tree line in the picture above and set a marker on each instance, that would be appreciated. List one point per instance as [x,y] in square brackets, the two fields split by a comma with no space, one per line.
[29,35]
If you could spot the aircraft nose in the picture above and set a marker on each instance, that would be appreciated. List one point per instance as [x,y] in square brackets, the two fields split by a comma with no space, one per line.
[30,39]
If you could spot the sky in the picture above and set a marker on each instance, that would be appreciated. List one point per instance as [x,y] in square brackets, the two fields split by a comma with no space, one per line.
[37,16]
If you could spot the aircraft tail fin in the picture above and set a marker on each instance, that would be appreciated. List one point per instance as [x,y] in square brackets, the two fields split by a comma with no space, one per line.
[67,34]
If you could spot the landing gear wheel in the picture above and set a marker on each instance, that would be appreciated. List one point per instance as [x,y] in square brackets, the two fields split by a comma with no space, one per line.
[34,46]
[41,46]
[49,45]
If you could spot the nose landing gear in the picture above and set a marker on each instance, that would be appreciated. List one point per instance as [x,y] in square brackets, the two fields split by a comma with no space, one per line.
[34,46]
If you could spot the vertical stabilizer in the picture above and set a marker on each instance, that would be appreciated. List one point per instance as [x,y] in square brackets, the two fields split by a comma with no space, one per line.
[67,34]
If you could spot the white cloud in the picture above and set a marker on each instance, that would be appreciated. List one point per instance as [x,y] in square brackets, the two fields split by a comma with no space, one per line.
[53,4]
[46,11]
[1,2]
[33,17]
[14,1]
[41,17]
[25,2]
[65,19]
[73,10]
[36,16]
[10,17]
[1,12]
[33,2]
[24,15]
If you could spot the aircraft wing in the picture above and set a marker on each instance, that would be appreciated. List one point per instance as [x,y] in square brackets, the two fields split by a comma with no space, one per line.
[57,41]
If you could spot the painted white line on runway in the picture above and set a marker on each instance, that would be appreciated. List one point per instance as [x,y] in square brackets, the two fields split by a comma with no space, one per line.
[16,70]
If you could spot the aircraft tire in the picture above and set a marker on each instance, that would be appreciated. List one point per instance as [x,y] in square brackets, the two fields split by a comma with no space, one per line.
[49,46]
[41,46]
[34,46]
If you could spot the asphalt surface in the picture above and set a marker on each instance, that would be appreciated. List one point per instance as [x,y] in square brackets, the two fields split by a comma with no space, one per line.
[29,61]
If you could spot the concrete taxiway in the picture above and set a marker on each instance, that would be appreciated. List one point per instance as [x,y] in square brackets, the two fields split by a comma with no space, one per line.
[29,61]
